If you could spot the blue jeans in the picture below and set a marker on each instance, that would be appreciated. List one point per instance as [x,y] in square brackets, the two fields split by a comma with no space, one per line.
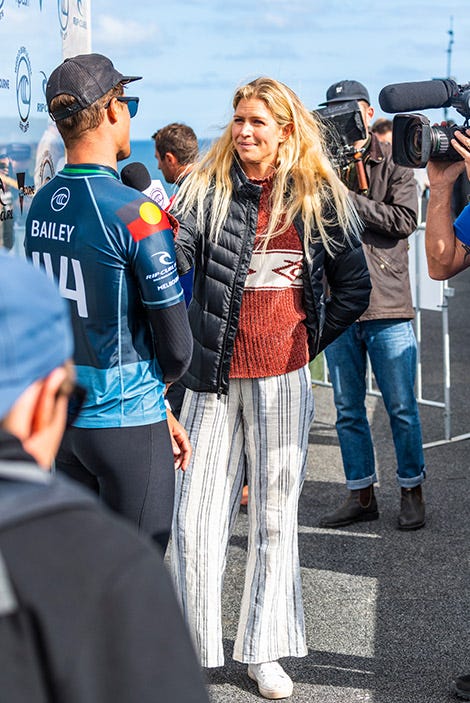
[391,346]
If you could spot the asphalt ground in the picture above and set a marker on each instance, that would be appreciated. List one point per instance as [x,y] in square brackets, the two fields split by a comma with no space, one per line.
[386,611]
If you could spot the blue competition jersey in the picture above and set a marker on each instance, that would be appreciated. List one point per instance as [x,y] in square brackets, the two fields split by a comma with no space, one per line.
[111,251]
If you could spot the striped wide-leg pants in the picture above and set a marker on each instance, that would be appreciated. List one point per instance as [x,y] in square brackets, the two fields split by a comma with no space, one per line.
[261,427]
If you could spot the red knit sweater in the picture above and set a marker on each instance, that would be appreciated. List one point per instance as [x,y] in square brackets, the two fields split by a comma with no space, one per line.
[271,338]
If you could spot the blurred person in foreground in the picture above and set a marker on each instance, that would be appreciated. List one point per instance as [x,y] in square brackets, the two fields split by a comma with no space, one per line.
[385,197]
[111,251]
[87,609]
[448,248]
[263,220]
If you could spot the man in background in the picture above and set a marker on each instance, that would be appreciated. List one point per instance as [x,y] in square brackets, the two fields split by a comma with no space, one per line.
[87,610]
[383,129]
[385,198]
[176,150]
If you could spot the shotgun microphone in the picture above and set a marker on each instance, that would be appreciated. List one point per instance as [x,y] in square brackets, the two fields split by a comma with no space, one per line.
[420,95]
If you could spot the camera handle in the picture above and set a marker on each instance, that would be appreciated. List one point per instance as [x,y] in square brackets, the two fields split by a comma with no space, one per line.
[361,172]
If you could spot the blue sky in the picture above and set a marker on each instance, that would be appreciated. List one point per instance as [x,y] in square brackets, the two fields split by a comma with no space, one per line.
[193,54]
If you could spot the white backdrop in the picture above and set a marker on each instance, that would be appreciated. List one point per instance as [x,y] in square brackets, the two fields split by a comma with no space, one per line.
[35,35]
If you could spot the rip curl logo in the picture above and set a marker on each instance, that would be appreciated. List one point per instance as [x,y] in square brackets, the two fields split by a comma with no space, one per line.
[60,199]
[168,270]
[2,190]
[80,21]
[164,257]
[23,87]
[42,106]
[63,10]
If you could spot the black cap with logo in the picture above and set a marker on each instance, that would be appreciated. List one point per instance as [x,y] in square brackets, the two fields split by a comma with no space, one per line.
[87,78]
[346,90]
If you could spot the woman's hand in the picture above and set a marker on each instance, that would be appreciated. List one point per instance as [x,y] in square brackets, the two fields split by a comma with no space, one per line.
[180,441]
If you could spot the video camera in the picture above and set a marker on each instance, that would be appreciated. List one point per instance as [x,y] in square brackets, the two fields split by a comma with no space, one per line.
[414,141]
[345,126]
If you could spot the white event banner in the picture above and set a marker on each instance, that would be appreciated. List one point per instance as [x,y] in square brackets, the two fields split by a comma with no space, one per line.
[35,36]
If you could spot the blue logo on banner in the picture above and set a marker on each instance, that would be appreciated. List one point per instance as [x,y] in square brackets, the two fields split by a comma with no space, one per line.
[44,82]
[63,10]
[42,106]
[78,21]
[23,87]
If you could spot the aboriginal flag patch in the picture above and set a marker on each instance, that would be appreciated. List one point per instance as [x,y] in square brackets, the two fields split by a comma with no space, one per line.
[144,219]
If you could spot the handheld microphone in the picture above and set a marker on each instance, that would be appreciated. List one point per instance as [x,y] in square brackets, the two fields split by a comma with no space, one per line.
[422,95]
[136,175]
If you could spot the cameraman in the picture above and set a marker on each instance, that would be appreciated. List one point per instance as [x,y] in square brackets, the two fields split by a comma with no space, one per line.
[448,248]
[386,201]
[447,242]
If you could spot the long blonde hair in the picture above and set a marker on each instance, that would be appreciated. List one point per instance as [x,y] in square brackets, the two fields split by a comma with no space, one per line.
[305,181]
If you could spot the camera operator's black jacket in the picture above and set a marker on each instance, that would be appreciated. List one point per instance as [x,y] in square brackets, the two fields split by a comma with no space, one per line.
[220,272]
[390,214]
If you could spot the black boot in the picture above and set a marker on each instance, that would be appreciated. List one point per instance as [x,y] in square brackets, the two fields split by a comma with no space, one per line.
[461,686]
[412,509]
[361,506]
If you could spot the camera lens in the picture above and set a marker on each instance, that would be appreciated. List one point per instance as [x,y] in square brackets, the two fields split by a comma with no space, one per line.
[413,139]
[440,141]
[411,143]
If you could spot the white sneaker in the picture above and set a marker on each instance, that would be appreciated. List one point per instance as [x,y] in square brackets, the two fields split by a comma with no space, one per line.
[272,680]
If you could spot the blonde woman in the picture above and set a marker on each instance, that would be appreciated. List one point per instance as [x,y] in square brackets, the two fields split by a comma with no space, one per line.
[265,222]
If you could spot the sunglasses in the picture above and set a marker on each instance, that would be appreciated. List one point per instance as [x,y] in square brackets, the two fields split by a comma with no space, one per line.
[132,103]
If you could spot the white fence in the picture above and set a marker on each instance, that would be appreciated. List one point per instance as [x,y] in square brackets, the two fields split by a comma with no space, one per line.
[427,295]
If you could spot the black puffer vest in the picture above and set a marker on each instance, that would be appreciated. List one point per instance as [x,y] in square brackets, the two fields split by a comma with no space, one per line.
[220,272]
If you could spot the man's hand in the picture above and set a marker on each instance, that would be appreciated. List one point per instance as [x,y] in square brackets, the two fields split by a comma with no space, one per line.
[461,144]
[445,173]
[446,255]
[179,439]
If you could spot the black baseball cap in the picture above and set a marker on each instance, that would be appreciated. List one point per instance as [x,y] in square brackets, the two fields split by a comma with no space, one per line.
[87,78]
[346,90]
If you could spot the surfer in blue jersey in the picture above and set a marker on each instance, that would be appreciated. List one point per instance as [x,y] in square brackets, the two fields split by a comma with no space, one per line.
[111,251]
